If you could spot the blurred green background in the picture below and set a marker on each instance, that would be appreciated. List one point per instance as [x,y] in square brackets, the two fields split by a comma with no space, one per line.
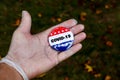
[99,58]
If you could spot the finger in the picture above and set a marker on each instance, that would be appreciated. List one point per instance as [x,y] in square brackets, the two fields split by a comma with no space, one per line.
[25,24]
[78,28]
[66,54]
[68,24]
[79,37]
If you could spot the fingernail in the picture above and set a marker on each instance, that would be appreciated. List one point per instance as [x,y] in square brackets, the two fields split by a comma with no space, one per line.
[82,26]
[23,12]
[83,35]
[75,21]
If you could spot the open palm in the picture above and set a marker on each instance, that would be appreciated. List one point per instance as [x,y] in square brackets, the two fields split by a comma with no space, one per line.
[33,53]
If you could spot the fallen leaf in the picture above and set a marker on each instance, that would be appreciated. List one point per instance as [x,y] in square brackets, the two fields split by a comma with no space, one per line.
[59,19]
[39,15]
[53,19]
[107,6]
[108,77]
[97,75]
[41,75]
[88,68]
[17,22]
[98,11]
[109,43]
[66,78]
[83,16]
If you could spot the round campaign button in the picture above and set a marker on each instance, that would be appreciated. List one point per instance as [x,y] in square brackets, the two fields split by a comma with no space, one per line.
[61,38]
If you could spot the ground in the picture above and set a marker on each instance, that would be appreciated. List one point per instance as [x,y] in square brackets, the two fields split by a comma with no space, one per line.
[99,58]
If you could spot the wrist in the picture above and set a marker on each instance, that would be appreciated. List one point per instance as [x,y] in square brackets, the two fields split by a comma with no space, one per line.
[9,73]
[16,66]
[23,64]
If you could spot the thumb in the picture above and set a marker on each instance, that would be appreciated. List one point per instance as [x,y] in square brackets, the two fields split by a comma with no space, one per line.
[25,24]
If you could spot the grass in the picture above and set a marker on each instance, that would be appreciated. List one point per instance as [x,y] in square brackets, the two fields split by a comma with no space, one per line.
[100,57]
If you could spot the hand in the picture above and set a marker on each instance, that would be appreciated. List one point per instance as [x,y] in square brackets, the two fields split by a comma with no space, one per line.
[33,53]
